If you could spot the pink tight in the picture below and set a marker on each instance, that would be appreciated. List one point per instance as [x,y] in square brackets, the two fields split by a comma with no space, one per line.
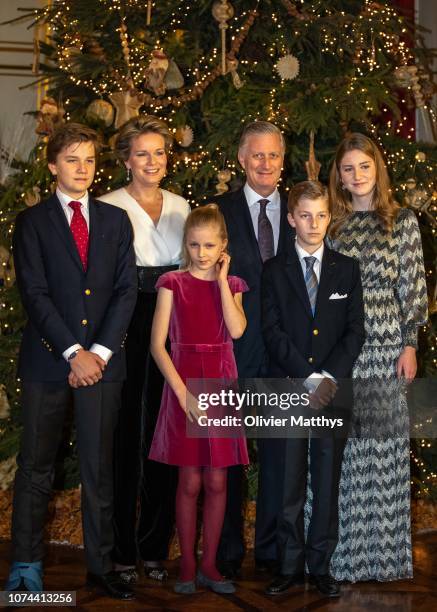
[189,486]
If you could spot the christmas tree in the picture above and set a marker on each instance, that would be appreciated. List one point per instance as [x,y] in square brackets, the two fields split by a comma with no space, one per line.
[316,68]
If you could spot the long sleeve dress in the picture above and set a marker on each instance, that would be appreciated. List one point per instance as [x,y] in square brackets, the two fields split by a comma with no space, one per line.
[374,503]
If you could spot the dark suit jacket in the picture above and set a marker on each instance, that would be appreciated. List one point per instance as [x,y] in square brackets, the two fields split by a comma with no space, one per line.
[64,304]
[247,264]
[297,343]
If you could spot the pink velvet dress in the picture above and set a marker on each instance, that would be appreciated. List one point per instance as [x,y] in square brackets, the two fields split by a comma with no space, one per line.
[201,347]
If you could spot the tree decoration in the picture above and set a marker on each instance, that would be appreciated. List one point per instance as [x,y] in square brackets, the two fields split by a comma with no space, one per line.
[49,117]
[173,78]
[149,12]
[287,67]
[312,166]
[231,67]
[222,11]
[101,110]
[223,176]
[184,136]
[5,408]
[126,51]
[155,73]
[33,196]
[421,201]
[127,104]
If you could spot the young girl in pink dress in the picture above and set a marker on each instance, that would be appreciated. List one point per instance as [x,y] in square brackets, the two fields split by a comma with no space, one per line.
[200,308]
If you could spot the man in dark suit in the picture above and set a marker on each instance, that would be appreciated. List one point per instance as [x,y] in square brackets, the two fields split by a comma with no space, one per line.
[76,274]
[313,327]
[256,219]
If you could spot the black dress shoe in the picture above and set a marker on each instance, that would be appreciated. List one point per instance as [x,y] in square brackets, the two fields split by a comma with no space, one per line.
[112,584]
[283,582]
[267,566]
[326,585]
[229,569]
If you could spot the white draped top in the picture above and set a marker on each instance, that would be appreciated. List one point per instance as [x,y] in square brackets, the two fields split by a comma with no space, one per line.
[155,245]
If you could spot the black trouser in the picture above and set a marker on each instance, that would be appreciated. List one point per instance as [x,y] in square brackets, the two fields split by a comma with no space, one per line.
[326,454]
[44,407]
[146,533]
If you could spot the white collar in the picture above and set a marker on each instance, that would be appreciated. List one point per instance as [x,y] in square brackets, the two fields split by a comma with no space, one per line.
[301,253]
[253,198]
[65,199]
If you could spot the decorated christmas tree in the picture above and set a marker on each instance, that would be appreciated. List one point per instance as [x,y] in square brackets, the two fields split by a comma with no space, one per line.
[316,68]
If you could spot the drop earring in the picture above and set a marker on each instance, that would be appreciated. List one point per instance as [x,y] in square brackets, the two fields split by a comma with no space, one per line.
[128,175]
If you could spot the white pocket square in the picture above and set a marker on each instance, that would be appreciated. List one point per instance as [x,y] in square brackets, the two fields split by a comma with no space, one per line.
[337,296]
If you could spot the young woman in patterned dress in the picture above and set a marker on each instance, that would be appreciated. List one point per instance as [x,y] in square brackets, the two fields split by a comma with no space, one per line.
[374,504]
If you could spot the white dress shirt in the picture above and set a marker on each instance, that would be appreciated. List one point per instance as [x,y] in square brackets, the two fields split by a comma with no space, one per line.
[314,379]
[64,199]
[154,245]
[273,210]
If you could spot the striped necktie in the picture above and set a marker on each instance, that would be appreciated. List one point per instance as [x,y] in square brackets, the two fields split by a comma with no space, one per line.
[311,281]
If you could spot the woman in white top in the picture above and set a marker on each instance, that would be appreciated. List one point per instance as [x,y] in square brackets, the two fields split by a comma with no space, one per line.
[157,217]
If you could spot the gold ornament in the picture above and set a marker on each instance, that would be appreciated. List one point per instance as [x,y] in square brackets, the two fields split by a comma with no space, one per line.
[33,196]
[420,201]
[312,166]
[173,78]
[223,176]
[5,409]
[222,11]
[155,73]
[101,110]
[7,270]
[420,156]
[287,67]
[231,66]
[184,136]
[127,104]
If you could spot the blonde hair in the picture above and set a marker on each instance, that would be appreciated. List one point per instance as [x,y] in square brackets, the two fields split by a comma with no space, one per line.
[137,126]
[382,203]
[209,214]
[311,190]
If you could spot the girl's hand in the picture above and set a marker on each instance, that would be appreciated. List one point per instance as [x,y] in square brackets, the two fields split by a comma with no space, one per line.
[222,267]
[407,364]
[190,406]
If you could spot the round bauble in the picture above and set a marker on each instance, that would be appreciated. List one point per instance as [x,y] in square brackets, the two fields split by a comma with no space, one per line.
[100,110]
[184,136]
[287,67]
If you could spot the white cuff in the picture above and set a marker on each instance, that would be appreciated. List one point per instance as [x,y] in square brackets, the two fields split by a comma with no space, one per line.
[101,351]
[313,381]
[66,354]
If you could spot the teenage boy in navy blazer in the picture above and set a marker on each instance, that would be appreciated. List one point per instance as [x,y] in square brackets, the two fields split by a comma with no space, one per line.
[76,275]
[313,328]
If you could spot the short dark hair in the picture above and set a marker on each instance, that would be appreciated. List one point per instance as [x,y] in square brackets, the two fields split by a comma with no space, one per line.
[68,134]
[312,190]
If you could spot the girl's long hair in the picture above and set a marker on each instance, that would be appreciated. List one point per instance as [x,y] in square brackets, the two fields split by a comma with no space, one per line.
[341,200]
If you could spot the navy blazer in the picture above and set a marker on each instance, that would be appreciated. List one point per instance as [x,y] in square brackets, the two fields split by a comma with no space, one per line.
[66,305]
[299,344]
[246,263]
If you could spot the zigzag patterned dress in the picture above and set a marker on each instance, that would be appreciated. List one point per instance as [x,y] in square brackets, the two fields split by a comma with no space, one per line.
[374,503]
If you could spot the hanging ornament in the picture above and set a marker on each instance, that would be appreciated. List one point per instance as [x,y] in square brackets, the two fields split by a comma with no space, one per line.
[222,11]
[420,201]
[127,104]
[5,409]
[49,117]
[149,12]
[184,136]
[312,166]
[33,196]
[100,110]
[287,67]
[173,77]
[223,176]
[420,156]
[231,66]
[7,270]
[155,73]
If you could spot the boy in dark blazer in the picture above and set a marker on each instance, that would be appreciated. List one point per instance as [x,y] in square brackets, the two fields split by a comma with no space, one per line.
[313,328]
[76,275]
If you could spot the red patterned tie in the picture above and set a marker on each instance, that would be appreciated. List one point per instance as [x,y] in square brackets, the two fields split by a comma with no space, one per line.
[79,229]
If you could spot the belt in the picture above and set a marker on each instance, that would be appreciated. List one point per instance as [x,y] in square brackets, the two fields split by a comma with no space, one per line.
[148,275]
[201,348]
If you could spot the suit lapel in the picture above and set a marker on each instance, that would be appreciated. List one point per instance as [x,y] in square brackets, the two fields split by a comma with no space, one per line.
[294,273]
[59,220]
[243,220]
[326,276]
[95,226]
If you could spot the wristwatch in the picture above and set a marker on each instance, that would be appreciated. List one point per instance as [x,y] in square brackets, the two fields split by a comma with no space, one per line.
[73,354]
